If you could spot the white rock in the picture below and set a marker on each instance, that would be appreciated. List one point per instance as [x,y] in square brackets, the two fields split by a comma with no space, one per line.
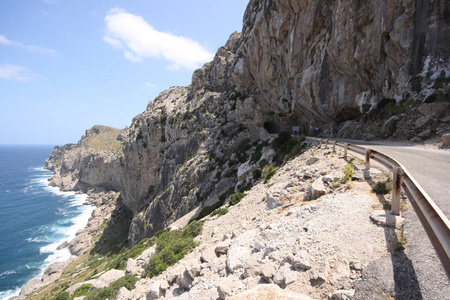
[301,261]
[225,287]
[272,201]
[155,291]
[106,279]
[236,258]
[385,218]
[342,295]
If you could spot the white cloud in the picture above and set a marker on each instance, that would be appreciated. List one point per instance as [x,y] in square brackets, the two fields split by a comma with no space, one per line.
[139,40]
[38,49]
[18,73]
[150,85]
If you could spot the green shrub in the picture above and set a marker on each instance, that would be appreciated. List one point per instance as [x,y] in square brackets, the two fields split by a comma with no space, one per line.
[236,198]
[287,146]
[120,261]
[62,296]
[256,174]
[220,211]
[382,187]
[82,290]
[171,246]
[268,172]
[348,172]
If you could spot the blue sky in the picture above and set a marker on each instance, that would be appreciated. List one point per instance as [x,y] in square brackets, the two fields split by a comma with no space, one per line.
[68,65]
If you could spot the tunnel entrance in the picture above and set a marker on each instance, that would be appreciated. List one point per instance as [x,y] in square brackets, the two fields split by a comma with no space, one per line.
[271,127]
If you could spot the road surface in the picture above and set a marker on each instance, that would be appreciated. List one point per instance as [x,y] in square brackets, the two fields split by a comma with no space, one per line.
[431,169]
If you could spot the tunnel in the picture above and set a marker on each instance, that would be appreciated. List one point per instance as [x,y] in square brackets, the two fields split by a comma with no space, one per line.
[271,127]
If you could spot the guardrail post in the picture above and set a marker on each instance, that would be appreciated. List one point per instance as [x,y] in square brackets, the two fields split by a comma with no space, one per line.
[345,150]
[320,144]
[334,146]
[396,184]
[367,159]
[326,144]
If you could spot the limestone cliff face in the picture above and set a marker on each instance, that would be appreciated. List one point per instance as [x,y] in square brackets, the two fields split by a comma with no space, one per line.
[93,163]
[361,69]
[326,62]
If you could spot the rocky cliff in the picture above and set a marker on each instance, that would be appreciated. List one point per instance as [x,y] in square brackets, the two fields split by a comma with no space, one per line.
[350,68]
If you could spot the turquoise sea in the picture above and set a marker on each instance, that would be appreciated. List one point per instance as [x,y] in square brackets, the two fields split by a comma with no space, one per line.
[34,217]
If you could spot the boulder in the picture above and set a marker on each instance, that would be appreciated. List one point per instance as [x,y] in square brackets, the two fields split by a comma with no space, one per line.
[311,160]
[301,261]
[184,280]
[236,258]
[106,279]
[225,287]
[208,255]
[271,201]
[123,294]
[155,291]
[284,276]
[222,248]
[445,139]
[63,245]
[316,190]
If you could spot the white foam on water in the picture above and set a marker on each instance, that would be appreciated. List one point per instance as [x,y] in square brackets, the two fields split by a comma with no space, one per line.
[62,233]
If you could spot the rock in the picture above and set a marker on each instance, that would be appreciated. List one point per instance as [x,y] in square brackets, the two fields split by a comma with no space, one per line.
[316,190]
[30,287]
[445,139]
[155,291]
[385,218]
[225,287]
[236,258]
[184,280]
[55,268]
[79,298]
[123,294]
[208,255]
[133,268]
[252,268]
[193,269]
[144,258]
[63,245]
[106,279]
[284,276]
[268,292]
[271,201]
[342,295]
[311,160]
[268,272]
[358,176]
[301,261]
[222,248]
[327,179]
[424,134]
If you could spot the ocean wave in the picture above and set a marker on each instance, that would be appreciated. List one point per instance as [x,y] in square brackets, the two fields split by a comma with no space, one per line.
[9,272]
[5,295]
[37,240]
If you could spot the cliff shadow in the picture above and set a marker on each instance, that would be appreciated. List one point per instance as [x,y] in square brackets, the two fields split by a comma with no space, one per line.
[115,235]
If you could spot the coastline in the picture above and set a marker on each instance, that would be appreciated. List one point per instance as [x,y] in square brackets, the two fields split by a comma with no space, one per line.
[79,240]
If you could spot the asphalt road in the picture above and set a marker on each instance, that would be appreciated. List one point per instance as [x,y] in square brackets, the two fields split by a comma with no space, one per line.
[431,169]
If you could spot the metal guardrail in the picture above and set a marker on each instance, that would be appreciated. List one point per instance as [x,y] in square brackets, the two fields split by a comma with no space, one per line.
[435,223]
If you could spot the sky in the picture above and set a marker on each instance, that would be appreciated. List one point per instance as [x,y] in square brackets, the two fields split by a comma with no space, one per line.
[67,65]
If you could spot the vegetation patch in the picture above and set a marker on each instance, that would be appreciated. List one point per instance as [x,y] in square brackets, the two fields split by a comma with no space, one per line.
[82,290]
[236,198]
[349,170]
[128,281]
[382,187]
[286,146]
[220,211]
[120,261]
[268,172]
[171,246]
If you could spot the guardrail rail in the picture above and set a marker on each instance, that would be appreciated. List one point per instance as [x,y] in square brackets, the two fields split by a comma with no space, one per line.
[435,223]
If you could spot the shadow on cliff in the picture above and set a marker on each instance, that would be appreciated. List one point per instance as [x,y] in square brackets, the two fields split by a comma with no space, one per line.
[115,235]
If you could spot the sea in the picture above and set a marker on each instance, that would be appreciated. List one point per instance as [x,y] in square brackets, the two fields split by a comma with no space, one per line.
[34,217]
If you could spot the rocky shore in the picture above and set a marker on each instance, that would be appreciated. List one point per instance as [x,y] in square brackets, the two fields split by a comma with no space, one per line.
[105,203]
